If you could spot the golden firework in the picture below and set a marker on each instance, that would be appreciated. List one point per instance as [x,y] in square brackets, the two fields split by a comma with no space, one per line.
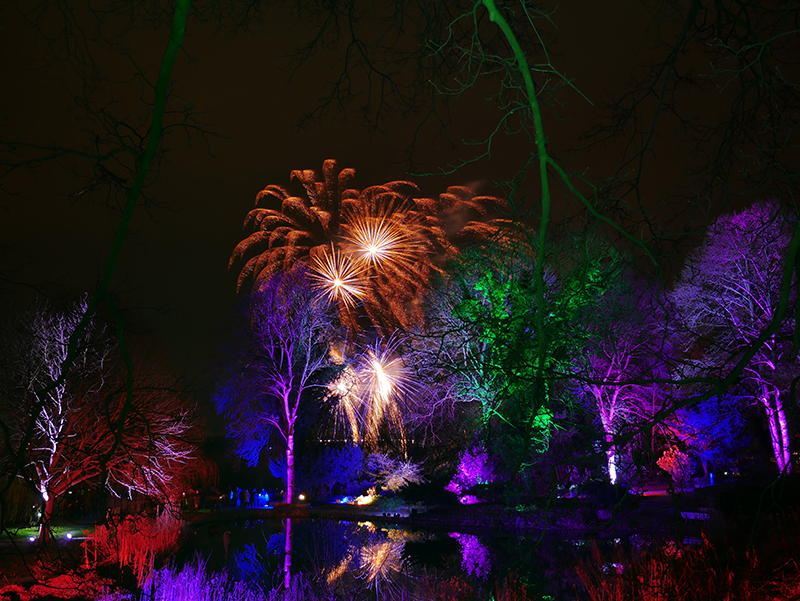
[341,278]
[346,390]
[385,384]
[389,230]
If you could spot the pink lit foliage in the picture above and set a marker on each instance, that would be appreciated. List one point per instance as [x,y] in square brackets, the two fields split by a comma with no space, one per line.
[137,542]
[728,296]
[474,467]
[677,464]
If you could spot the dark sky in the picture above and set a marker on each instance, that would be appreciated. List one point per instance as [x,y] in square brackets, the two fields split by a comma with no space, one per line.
[176,257]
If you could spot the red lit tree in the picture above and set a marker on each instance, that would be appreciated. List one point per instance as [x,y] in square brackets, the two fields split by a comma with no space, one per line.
[85,430]
[728,295]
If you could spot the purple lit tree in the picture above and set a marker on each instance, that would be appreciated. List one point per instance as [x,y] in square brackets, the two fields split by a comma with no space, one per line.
[728,295]
[623,353]
[286,348]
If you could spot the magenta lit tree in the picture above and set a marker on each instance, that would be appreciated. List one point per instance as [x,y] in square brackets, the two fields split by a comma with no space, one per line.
[623,353]
[289,327]
[728,295]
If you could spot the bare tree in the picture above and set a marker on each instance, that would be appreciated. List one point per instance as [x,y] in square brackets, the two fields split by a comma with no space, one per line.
[727,296]
[142,146]
[621,357]
[287,345]
[74,433]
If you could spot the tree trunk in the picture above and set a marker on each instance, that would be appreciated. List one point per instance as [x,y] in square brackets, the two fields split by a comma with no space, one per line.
[47,514]
[289,468]
[611,458]
[783,427]
[778,430]
[611,450]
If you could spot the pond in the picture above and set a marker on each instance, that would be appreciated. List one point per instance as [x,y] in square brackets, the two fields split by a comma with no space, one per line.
[372,560]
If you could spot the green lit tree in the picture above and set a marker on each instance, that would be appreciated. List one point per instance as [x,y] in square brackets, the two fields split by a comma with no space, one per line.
[480,346]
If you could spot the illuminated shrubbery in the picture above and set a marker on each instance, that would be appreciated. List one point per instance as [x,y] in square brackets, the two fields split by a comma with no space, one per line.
[393,474]
[137,542]
[474,467]
[677,464]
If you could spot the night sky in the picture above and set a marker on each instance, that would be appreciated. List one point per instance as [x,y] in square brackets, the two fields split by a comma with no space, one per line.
[173,269]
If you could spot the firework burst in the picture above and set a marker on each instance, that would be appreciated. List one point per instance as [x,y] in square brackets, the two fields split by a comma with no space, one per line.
[390,231]
[385,385]
[340,278]
[346,390]
[371,395]
[382,242]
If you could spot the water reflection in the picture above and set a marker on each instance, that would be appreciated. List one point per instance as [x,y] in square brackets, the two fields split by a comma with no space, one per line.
[475,557]
[365,560]
[287,554]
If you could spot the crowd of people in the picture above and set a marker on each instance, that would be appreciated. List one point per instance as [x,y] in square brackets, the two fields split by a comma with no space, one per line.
[214,499]
[238,497]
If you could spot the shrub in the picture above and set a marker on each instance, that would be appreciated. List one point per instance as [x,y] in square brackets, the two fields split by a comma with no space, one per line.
[474,467]
[677,464]
[137,541]
[391,474]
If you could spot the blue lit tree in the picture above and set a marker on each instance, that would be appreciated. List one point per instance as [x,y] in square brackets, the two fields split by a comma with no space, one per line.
[714,430]
[279,365]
